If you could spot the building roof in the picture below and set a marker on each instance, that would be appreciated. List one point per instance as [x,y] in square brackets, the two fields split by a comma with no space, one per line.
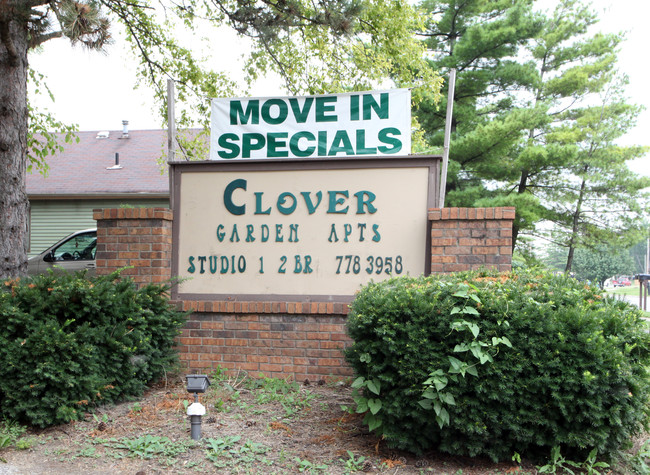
[87,168]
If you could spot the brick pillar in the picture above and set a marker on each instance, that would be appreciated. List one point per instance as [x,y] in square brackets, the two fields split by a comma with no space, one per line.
[471,238]
[137,237]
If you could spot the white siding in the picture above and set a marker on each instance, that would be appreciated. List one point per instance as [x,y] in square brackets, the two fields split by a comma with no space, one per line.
[51,220]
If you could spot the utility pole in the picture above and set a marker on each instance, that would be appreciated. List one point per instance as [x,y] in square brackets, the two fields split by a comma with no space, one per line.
[647,255]
[171,137]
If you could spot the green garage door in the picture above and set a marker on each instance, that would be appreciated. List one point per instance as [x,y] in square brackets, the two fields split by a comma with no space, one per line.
[51,220]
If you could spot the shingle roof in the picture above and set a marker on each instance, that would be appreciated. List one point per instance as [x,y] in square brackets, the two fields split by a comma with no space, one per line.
[83,168]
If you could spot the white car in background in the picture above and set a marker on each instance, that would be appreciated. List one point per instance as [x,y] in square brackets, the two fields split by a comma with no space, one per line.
[73,253]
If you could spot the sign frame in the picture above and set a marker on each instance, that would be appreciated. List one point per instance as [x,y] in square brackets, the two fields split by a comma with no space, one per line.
[177,169]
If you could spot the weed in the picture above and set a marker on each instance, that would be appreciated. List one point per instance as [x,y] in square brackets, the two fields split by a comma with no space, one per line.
[563,465]
[149,446]
[309,467]
[637,462]
[353,463]
[25,443]
[288,394]
[88,451]
[225,452]
[219,375]
[219,446]
[103,418]
[10,433]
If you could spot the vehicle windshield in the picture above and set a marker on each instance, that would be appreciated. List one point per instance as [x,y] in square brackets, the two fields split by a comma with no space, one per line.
[80,247]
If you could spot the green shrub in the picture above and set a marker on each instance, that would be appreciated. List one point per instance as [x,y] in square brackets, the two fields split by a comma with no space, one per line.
[574,377]
[68,342]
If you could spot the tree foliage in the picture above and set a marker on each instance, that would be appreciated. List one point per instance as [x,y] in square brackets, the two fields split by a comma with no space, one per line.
[328,46]
[539,107]
[596,265]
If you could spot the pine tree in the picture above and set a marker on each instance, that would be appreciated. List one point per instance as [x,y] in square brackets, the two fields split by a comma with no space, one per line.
[481,40]
[599,200]
[512,145]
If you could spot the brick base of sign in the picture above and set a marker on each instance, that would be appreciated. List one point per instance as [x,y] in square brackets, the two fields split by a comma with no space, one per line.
[286,339]
[471,238]
[299,346]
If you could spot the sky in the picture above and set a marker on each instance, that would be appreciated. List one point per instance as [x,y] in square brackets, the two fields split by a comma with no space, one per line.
[96,91]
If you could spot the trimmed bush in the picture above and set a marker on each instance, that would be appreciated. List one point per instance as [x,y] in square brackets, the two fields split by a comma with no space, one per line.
[490,364]
[68,342]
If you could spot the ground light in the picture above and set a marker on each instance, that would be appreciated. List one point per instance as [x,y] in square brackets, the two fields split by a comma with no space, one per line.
[196,383]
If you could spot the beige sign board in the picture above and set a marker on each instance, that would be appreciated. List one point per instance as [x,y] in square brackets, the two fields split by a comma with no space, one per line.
[311,233]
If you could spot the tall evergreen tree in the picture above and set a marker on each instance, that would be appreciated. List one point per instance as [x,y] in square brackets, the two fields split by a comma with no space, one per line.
[510,145]
[481,40]
[599,200]
[571,64]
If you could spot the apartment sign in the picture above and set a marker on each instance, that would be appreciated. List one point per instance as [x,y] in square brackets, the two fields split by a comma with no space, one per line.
[374,123]
[310,229]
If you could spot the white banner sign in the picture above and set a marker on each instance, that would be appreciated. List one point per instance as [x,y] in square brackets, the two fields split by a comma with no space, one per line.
[338,125]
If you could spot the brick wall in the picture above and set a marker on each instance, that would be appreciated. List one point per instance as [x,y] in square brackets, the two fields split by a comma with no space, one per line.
[301,346]
[137,237]
[287,339]
[471,238]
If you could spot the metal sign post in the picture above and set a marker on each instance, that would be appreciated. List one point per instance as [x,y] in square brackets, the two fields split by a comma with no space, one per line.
[445,152]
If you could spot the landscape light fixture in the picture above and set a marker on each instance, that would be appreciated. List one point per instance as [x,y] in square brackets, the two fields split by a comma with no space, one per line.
[196,383]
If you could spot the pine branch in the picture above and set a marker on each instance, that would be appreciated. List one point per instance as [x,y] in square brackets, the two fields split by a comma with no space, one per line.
[37,40]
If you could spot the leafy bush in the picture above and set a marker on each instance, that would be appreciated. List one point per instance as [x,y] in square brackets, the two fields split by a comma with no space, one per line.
[486,363]
[68,342]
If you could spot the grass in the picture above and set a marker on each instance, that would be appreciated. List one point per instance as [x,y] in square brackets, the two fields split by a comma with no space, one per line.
[633,290]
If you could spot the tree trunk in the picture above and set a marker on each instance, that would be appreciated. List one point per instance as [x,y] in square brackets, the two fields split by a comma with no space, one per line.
[576,223]
[13,145]
[516,223]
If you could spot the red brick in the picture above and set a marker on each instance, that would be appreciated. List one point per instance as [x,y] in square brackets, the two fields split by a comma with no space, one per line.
[472,259]
[436,268]
[214,341]
[308,344]
[331,328]
[508,213]
[456,250]
[442,259]
[330,362]
[236,342]
[271,367]
[443,242]
[485,250]
[331,344]
[471,242]
[249,366]
[190,341]
[456,267]
[257,359]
